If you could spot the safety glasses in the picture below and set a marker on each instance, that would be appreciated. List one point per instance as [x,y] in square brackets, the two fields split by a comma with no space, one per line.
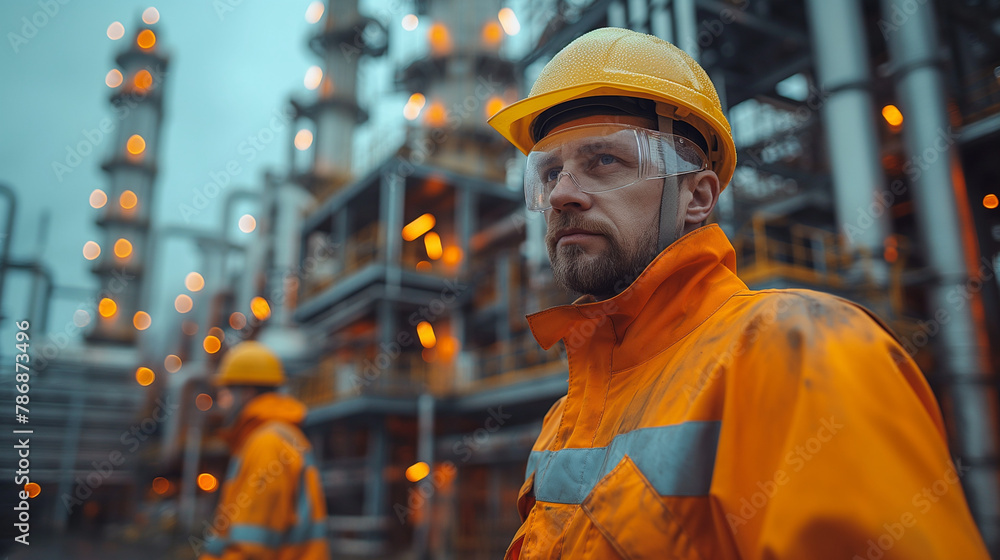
[604,157]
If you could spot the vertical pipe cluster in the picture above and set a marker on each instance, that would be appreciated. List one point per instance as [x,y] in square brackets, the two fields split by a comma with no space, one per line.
[963,360]
[840,49]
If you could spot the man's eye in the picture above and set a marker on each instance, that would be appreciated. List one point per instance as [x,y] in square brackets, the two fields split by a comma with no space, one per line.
[606,159]
[552,174]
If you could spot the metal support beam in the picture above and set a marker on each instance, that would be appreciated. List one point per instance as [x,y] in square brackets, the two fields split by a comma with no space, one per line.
[686,22]
[940,207]
[841,52]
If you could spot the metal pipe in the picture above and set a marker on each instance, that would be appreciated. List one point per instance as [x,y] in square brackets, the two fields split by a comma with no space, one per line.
[914,57]
[39,308]
[7,234]
[841,54]
[686,21]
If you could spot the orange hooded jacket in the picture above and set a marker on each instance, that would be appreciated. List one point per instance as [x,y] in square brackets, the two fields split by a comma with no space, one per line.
[272,505]
[707,421]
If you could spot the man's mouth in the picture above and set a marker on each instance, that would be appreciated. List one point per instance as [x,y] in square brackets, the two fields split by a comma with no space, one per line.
[573,235]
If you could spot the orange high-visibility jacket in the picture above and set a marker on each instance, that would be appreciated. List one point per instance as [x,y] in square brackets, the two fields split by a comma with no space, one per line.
[272,504]
[707,421]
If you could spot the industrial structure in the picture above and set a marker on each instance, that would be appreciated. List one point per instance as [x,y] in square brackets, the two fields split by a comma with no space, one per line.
[395,290]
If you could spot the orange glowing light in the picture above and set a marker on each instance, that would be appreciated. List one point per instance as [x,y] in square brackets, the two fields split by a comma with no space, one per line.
[146,39]
[418,227]
[183,303]
[436,115]
[113,79]
[128,200]
[33,489]
[432,242]
[143,79]
[990,201]
[493,105]
[440,39]
[425,332]
[203,402]
[161,485]
[116,31]
[217,333]
[123,248]
[423,266]
[172,363]
[144,376]
[413,106]
[452,255]
[492,34]
[260,308]
[417,471]
[194,281]
[141,320]
[91,250]
[107,307]
[207,482]
[211,344]
[892,115]
[237,320]
[135,145]
[891,254]
[447,347]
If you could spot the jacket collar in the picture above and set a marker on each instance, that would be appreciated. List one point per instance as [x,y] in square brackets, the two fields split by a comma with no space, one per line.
[261,410]
[678,290]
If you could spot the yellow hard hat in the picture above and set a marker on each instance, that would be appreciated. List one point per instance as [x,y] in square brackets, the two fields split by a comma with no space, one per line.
[620,62]
[250,363]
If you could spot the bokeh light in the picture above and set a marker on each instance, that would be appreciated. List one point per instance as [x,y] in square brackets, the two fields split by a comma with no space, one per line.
[211,344]
[194,281]
[144,376]
[183,303]
[417,471]
[150,16]
[303,139]
[314,12]
[207,482]
[113,78]
[141,320]
[107,307]
[247,223]
[203,402]
[146,39]
[116,31]
[172,363]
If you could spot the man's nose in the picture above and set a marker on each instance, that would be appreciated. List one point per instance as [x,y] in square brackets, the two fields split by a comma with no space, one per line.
[567,194]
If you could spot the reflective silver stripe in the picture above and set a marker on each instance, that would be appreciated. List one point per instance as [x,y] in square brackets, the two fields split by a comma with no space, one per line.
[305,528]
[678,460]
[215,546]
[255,534]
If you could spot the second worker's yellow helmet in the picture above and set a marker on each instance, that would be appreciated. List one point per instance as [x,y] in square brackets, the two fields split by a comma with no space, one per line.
[620,62]
[250,363]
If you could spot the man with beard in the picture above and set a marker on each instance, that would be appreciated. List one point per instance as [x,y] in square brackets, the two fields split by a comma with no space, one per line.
[272,504]
[703,419]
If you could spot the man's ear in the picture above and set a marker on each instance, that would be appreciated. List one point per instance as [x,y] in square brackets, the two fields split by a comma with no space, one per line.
[702,194]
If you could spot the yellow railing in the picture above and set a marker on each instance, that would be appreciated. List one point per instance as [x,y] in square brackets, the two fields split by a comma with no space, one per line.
[808,254]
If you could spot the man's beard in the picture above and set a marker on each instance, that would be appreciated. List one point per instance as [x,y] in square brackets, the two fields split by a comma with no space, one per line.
[602,275]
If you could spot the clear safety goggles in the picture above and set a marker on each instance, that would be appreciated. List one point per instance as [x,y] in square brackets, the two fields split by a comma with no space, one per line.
[605,157]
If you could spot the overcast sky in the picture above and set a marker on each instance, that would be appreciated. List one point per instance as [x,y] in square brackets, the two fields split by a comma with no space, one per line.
[229,71]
